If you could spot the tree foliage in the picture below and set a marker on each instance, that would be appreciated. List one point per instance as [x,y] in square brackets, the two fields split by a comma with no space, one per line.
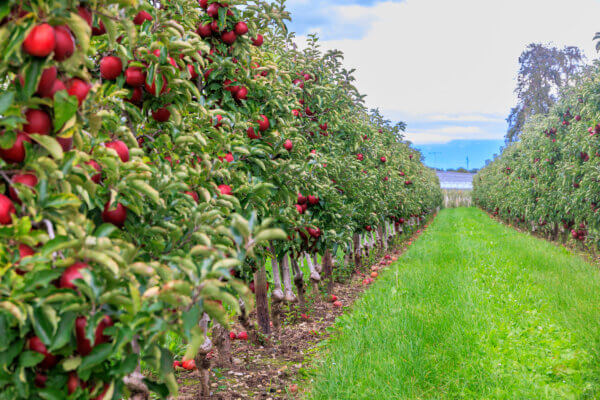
[544,71]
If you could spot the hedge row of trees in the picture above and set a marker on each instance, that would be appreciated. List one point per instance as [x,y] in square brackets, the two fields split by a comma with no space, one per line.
[548,181]
[154,154]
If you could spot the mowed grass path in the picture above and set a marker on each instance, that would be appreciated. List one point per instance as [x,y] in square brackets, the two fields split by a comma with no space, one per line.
[474,310]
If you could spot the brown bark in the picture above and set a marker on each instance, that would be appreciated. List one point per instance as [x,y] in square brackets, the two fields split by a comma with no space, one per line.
[222,342]
[299,282]
[356,249]
[328,271]
[262,303]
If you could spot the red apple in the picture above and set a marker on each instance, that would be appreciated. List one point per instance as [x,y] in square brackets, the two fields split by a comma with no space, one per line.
[213,10]
[70,274]
[161,114]
[242,335]
[258,40]
[96,177]
[46,81]
[121,149]
[360,157]
[72,382]
[65,45]
[100,337]
[6,209]
[194,195]
[136,95]
[141,17]
[66,144]
[35,344]
[152,88]
[192,70]
[40,41]
[228,37]
[78,88]
[383,159]
[263,123]
[57,86]
[135,76]
[38,121]
[232,335]
[301,199]
[313,200]
[26,179]
[115,215]
[203,4]
[189,364]
[111,67]
[225,189]
[251,133]
[337,303]
[16,153]
[288,145]
[241,93]
[85,14]
[241,28]
[204,30]
[299,208]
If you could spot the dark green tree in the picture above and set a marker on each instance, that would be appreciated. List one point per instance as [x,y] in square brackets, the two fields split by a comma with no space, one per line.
[544,71]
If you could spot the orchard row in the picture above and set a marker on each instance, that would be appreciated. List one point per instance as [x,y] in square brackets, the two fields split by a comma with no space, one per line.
[153,156]
[548,181]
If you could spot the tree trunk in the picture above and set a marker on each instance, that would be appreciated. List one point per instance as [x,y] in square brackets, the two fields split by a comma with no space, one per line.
[277,293]
[299,281]
[357,249]
[262,303]
[202,361]
[315,277]
[222,342]
[328,271]
[289,295]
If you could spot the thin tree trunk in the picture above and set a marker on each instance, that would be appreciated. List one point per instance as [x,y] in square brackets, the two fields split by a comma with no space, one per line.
[328,271]
[289,295]
[357,250]
[202,361]
[315,277]
[262,304]
[277,293]
[222,342]
[299,281]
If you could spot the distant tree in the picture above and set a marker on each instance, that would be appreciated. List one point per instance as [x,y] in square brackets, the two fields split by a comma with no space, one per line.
[544,72]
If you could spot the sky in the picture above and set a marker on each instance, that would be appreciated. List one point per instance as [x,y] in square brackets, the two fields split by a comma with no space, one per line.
[447,68]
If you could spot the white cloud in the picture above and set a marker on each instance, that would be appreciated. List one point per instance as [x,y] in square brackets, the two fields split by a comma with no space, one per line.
[456,58]
[448,133]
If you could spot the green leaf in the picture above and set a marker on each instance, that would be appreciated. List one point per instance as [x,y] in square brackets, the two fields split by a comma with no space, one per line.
[50,144]
[191,319]
[65,108]
[30,358]
[105,230]
[33,71]
[57,244]
[63,333]
[6,100]
[62,200]
[97,356]
[44,323]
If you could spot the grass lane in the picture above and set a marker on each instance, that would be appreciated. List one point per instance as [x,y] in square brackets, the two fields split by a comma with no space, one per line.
[474,310]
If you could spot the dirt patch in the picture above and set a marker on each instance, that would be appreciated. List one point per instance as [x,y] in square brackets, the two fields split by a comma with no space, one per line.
[281,370]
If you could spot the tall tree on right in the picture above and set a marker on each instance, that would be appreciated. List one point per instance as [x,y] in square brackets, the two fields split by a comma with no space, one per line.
[544,71]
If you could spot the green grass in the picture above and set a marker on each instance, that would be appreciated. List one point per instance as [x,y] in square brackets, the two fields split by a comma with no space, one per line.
[474,310]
